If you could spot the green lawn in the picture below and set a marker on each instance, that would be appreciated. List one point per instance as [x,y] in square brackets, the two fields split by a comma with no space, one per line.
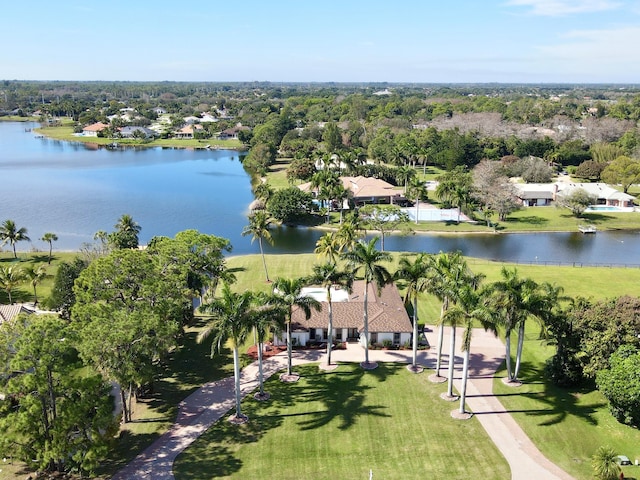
[342,425]
[543,409]
[24,293]
[567,425]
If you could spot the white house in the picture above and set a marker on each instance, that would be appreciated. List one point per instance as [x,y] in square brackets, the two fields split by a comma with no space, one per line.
[388,318]
[603,193]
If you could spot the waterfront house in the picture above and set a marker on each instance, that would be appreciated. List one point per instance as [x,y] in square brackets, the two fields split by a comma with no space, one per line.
[365,190]
[232,133]
[604,194]
[388,318]
[93,129]
[536,194]
[130,132]
[188,131]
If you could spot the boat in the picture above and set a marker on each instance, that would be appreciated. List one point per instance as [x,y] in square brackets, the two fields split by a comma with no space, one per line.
[587,228]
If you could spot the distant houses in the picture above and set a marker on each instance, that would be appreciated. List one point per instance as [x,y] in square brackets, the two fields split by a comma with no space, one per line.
[543,194]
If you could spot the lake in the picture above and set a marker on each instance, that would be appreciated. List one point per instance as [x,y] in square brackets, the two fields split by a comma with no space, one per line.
[75,190]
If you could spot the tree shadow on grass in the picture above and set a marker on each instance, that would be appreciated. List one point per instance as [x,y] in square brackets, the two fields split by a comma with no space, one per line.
[559,403]
[529,219]
[343,397]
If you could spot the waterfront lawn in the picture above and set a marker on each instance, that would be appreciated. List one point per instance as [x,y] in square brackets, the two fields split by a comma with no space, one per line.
[24,293]
[589,282]
[344,424]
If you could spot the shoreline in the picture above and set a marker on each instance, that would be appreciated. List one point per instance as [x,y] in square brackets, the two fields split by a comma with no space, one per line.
[204,144]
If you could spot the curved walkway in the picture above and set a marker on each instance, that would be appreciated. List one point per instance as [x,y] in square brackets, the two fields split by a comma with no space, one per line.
[208,404]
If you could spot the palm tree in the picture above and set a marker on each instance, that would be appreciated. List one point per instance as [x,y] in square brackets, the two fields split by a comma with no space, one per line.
[418,191]
[10,233]
[340,194]
[231,319]
[604,464]
[35,275]
[289,291]
[348,233]
[49,238]
[414,274]
[126,234]
[448,274]
[515,299]
[10,278]
[328,246]
[328,275]
[454,193]
[270,315]
[258,228]
[404,174]
[365,256]
[471,307]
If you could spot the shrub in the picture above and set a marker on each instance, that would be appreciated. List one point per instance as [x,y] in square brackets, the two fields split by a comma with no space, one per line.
[386,343]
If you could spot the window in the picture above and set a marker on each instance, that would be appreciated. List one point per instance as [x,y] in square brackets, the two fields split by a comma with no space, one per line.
[339,334]
[312,334]
[396,338]
[374,337]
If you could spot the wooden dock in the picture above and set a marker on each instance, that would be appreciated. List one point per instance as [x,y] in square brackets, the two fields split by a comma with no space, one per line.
[587,228]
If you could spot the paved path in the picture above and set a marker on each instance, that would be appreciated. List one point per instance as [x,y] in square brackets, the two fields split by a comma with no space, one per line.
[208,404]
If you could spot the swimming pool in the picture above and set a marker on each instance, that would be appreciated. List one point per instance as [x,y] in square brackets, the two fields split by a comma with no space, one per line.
[608,208]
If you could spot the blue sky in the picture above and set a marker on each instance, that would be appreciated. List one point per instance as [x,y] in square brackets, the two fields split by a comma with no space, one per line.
[583,41]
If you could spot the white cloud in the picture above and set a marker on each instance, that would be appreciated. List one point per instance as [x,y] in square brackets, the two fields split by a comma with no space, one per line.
[557,8]
[605,53]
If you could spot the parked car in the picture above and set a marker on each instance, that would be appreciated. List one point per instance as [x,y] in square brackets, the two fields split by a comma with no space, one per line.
[623,460]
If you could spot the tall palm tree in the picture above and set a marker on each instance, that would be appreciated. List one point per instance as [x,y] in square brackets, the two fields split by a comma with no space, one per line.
[404,174]
[35,274]
[258,228]
[365,257]
[10,233]
[49,238]
[515,299]
[289,290]
[339,194]
[328,275]
[471,307]
[10,278]
[270,315]
[417,191]
[454,193]
[231,319]
[449,272]
[414,275]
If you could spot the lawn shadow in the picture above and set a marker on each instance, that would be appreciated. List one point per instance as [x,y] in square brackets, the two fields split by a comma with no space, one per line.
[343,397]
[529,219]
[561,403]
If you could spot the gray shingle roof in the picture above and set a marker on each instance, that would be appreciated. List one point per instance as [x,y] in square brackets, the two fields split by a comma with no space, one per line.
[386,312]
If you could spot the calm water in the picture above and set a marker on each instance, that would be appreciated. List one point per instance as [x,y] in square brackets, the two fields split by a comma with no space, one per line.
[75,190]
